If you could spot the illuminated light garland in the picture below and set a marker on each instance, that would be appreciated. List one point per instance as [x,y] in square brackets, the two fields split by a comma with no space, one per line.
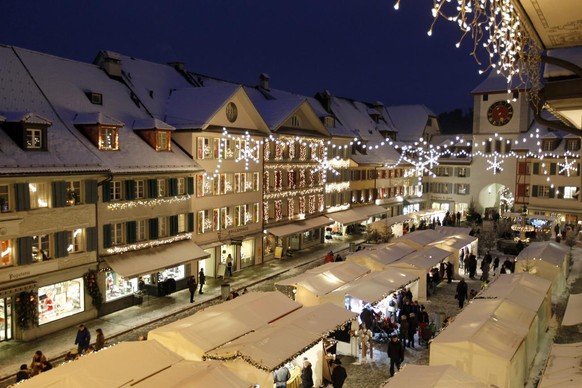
[146,202]
[321,200]
[291,179]
[301,178]
[495,164]
[302,205]
[206,225]
[278,210]
[291,207]
[265,212]
[337,187]
[278,181]
[293,193]
[148,244]
[567,166]
[302,151]
[311,204]
[266,187]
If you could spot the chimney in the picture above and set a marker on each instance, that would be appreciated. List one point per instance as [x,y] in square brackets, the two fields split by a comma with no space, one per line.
[109,62]
[177,65]
[264,81]
[326,100]
[379,106]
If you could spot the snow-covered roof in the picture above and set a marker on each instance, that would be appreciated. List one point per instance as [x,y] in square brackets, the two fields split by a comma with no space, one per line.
[547,251]
[26,117]
[564,366]
[65,84]
[151,123]
[437,376]
[410,120]
[497,83]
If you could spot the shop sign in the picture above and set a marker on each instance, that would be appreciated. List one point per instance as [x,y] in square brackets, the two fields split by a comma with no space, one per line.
[28,271]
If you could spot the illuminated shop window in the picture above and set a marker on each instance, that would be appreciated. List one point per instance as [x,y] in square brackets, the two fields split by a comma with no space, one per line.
[60,300]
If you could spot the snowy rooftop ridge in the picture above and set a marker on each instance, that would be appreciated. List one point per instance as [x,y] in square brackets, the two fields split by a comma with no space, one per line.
[96,118]
[151,123]
[26,117]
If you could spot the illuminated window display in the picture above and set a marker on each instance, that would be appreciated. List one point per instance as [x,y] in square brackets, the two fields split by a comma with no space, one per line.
[6,252]
[5,319]
[247,253]
[116,286]
[60,300]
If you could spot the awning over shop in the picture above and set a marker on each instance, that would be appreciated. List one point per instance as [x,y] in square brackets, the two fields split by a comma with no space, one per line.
[145,261]
[356,214]
[409,201]
[300,226]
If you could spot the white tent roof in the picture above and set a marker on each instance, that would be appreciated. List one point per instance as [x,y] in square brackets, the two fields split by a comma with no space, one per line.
[573,314]
[457,241]
[273,345]
[326,278]
[386,254]
[439,376]
[111,367]
[453,230]
[422,237]
[480,325]
[205,330]
[564,367]
[376,286]
[547,251]
[194,374]
[425,258]
[524,289]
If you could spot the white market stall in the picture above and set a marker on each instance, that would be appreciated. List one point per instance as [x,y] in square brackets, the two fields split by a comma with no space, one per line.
[454,244]
[564,367]
[313,285]
[253,357]
[573,314]
[549,260]
[205,330]
[419,263]
[115,366]
[482,344]
[420,238]
[355,215]
[442,376]
[396,224]
[377,259]
[194,374]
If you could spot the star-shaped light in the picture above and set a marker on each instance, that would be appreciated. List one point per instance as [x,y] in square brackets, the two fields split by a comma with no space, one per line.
[495,164]
[247,152]
[431,158]
[567,166]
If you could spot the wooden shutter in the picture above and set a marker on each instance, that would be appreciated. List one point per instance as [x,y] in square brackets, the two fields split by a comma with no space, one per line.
[536,168]
[129,189]
[153,228]
[190,222]
[22,194]
[552,168]
[91,194]
[107,236]
[131,231]
[173,225]
[560,192]
[106,188]
[534,191]
[190,185]
[91,240]
[59,194]
[172,187]
[24,245]
[61,242]
[152,186]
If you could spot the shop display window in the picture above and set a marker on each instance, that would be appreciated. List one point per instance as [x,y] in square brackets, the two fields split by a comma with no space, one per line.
[175,273]
[116,286]
[247,253]
[5,319]
[60,300]
[6,252]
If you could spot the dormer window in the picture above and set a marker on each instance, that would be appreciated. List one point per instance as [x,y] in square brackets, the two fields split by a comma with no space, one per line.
[329,121]
[34,139]
[109,138]
[28,130]
[548,145]
[163,141]
[573,144]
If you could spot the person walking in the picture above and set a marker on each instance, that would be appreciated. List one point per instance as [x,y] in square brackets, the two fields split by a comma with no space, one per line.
[100,340]
[395,353]
[306,374]
[461,295]
[83,339]
[280,377]
[201,280]
[192,287]
[338,374]
[449,270]
[403,330]
[229,264]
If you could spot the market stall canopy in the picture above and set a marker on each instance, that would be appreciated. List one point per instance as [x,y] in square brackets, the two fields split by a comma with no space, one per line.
[441,376]
[299,226]
[456,241]
[326,278]
[573,314]
[421,238]
[453,230]
[383,255]
[357,214]
[397,219]
[205,330]
[115,366]
[281,341]
[527,290]
[151,260]
[376,286]
[425,258]
[564,367]
[547,251]
[194,374]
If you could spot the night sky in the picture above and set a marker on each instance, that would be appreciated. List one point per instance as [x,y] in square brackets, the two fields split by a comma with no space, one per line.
[361,49]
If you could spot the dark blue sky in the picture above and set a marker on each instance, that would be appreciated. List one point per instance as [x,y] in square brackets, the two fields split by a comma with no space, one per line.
[361,49]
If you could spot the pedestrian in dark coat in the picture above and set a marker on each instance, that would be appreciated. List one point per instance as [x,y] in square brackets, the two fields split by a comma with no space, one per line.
[412,329]
[100,340]
[201,279]
[472,265]
[280,377]
[83,339]
[396,353]
[23,373]
[192,287]
[449,272]
[306,375]
[338,375]
[462,290]
[403,330]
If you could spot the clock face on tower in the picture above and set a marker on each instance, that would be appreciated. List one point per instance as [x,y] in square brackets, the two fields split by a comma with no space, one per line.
[499,113]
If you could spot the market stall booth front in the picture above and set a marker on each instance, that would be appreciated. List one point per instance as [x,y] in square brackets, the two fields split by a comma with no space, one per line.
[442,376]
[115,366]
[563,368]
[483,344]
[287,341]
[205,330]
[313,285]
[419,263]
[547,259]
[459,245]
[573,314]
[376,259]
[356,215]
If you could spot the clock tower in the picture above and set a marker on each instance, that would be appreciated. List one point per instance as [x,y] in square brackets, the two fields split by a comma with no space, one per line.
[499,118]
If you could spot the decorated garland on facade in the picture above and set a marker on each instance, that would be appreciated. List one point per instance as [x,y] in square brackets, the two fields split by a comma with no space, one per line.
[26,307]
[90,278]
